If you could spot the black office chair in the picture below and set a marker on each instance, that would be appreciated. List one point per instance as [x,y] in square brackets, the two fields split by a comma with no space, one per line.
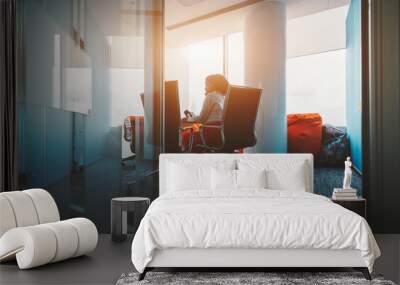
[173,126]
[237,128]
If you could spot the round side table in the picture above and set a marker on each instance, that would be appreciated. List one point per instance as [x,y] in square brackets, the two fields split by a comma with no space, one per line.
[119,214]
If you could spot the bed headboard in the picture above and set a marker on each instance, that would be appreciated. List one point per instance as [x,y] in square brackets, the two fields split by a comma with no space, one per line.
[211,158]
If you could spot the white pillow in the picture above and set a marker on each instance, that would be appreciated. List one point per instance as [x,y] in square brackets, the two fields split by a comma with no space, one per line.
[251,178]
[223,179]
[292,178]
[282,174]
[183,177]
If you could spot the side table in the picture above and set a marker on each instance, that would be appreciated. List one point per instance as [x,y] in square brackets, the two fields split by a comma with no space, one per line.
[358,205]
[119,214]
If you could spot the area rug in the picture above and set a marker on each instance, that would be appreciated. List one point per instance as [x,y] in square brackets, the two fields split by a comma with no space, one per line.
[243,278]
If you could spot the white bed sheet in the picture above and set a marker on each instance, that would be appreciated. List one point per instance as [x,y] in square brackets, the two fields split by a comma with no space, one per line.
[250,218]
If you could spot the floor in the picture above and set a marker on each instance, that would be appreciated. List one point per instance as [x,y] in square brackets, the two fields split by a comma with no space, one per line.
[104,266]
[110,260]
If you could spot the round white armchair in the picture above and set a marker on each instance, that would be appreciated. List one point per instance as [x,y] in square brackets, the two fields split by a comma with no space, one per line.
[31,230]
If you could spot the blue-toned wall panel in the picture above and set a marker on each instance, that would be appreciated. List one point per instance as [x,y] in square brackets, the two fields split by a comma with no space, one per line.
[34,145]
[353,82]
[58,144]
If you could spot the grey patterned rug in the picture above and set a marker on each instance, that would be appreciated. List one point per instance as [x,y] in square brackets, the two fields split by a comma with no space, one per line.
[229,278]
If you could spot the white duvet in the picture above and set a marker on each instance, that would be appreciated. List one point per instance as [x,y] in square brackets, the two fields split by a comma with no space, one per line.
[250,219]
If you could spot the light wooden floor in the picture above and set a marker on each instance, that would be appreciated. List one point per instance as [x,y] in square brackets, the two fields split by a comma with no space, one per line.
[110,260]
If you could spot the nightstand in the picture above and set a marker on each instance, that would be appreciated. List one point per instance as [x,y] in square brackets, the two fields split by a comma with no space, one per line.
[358,206]
[119,215]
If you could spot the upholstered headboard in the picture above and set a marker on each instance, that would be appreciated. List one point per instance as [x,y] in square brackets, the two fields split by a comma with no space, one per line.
[213,159]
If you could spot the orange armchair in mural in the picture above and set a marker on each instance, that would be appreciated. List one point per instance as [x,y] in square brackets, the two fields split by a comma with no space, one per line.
[304,133]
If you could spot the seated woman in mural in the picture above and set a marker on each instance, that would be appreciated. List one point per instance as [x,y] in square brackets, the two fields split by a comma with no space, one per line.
[216,87]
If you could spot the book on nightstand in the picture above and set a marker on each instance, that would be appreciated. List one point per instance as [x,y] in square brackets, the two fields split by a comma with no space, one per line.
[345,194]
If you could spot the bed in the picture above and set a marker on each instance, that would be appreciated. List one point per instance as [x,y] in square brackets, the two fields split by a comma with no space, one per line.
[247,210]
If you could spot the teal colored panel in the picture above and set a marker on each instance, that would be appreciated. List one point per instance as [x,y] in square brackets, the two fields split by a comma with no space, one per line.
[58,144]
[46,144]
[353,82]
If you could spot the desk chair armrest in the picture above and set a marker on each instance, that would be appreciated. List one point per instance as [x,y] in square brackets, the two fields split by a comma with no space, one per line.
[212,126]
[181,130]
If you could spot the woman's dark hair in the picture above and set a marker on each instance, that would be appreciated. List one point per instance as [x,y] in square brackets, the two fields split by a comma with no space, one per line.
[219,82]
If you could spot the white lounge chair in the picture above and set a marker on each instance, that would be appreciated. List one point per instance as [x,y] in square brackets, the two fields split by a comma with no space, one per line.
[31,230]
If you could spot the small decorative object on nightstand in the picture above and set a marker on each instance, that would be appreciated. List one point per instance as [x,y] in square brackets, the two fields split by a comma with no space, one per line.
[357,205]
[347,174]
[346,193]
[119,217]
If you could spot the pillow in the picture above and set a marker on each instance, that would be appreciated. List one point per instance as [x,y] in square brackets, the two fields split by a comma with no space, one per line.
[223,179]
[282,173]
[251,178]
[182,177]
[292,178]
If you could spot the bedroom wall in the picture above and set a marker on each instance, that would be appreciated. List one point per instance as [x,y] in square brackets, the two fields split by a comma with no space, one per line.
[384,156]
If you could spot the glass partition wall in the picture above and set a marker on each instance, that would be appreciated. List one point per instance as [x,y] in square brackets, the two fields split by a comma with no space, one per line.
[90,85]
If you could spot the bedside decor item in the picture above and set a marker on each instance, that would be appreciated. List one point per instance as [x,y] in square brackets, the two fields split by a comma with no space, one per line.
[346,192]
[31,231]
[119,214]
[339,193]
[347,174]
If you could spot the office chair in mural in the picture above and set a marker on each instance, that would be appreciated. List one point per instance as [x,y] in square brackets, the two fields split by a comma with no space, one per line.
[133,129]
[131,123]
[174,127]
[236,131]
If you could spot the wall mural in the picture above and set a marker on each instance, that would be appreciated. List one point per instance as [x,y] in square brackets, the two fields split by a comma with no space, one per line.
[109,85]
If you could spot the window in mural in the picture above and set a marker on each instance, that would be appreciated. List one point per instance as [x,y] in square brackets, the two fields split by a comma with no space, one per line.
[235,58]
[317,84]
[203,58]
[89,110]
